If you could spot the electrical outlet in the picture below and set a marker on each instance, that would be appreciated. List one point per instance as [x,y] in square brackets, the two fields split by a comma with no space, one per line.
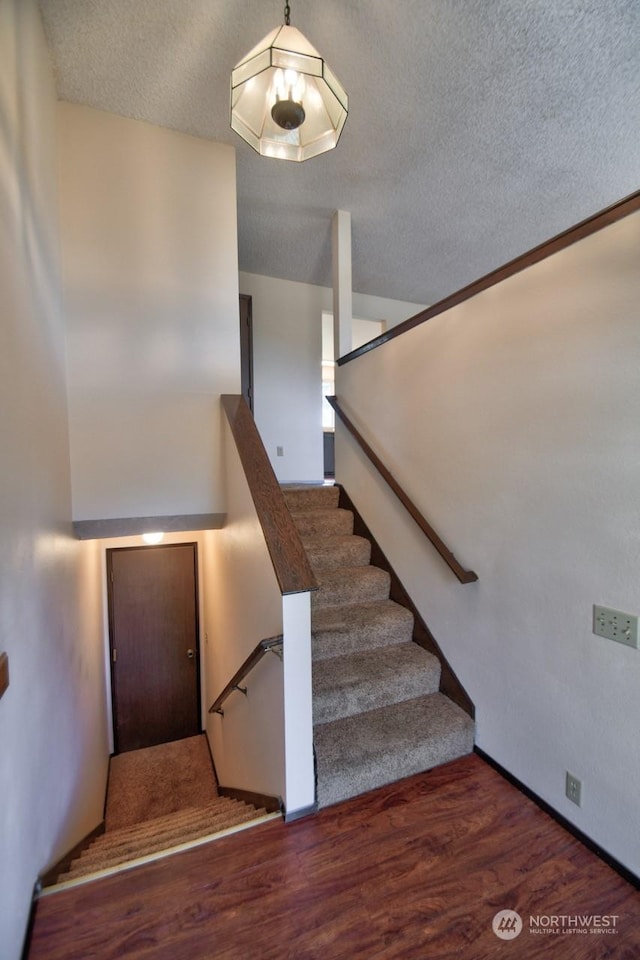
[615,625]
[573,788]
[279,451]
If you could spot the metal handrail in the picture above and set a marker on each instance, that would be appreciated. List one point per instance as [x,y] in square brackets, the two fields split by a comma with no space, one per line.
[268,645]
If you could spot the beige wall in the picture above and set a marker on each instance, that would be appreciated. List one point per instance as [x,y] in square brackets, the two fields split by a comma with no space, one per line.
[151,285]
[53,761]
[513,421]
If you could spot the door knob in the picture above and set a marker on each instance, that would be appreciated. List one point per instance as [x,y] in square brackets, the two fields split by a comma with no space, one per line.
[191,653]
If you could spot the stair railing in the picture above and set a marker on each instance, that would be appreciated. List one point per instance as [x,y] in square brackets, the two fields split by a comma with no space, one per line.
[269,645]
[290,562]
[288,556]
[604,218]
[464,576]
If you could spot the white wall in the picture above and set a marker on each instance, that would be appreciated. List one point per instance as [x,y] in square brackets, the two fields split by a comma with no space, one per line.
[513,421]
[242,606]
[150,275]
[287,355]
[391,312]
[287,352]
[264,741]
[53,761]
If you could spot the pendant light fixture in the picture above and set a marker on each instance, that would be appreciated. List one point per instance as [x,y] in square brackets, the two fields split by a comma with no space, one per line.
[285,101]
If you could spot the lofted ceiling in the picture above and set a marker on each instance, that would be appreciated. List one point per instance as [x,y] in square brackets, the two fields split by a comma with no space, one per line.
[476,129]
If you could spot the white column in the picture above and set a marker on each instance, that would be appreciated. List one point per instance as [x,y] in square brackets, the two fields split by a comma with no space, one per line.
[298,714]
[342,284]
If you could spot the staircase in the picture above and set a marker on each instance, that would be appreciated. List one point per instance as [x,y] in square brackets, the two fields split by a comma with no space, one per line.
[377,712]
[128,846]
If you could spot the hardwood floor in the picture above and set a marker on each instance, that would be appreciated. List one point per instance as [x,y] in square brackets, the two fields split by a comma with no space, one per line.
[409,872]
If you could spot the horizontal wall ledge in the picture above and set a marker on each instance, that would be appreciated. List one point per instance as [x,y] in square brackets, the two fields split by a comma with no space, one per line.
[134,526]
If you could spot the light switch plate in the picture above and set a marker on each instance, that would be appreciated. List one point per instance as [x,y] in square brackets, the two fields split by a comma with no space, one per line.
[615,625]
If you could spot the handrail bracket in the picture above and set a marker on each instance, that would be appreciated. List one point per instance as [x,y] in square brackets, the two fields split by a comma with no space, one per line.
[268,645]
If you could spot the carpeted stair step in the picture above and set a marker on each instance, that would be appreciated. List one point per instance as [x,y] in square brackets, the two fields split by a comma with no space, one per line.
[378,715]
[358,682]
[100,857]
[167,825]
[170,818]
[324,523]
[328,553]
[362,752]
[114,845]
[338,630]
[351,585]
[308,496]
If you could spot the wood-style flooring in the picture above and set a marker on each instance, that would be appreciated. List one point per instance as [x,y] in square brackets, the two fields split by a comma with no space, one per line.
[416,870]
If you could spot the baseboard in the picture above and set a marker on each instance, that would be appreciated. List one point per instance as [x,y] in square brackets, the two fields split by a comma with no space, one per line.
[28,934]
[213,763]
[619,868]
[106,789]
[299,814]
[271,804]
[50,877]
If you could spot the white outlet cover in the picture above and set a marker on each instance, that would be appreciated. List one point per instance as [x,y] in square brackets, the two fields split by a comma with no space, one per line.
[615,625]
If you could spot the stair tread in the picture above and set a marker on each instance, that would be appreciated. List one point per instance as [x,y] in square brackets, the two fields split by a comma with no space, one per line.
[310,495]
[358,682]
[103,858]
[321,513]
[338,550]
[165,838]
[217,803]
[180,820]
[323,522]
[346,628]
[351,585]
[362,752]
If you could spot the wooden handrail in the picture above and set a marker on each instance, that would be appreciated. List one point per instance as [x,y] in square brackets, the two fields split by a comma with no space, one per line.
[581,230]
[288,556]
[464,576]
[254,657]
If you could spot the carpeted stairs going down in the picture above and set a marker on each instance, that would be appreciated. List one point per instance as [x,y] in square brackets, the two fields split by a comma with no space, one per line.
[160,798]
[377,712]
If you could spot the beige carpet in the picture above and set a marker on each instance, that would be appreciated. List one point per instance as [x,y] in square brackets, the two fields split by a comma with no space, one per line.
[377,711]
[158,799]
[118,847]
[150,783]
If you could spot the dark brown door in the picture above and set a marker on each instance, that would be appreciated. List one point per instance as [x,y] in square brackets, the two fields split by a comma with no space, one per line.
[153,620]
[246,349]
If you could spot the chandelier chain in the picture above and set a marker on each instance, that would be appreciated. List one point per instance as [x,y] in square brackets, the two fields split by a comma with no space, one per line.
[287,15]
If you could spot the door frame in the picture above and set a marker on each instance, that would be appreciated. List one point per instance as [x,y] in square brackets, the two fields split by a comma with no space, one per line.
[246,349]
[110,618]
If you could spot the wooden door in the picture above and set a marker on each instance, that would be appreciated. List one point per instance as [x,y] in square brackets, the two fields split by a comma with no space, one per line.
[153,621]
[246,349]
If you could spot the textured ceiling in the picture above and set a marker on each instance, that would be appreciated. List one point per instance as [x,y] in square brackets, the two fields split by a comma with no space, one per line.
[476,129]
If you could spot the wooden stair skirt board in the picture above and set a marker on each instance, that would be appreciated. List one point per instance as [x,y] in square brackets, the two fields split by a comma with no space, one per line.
[383,706]
[131,846]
